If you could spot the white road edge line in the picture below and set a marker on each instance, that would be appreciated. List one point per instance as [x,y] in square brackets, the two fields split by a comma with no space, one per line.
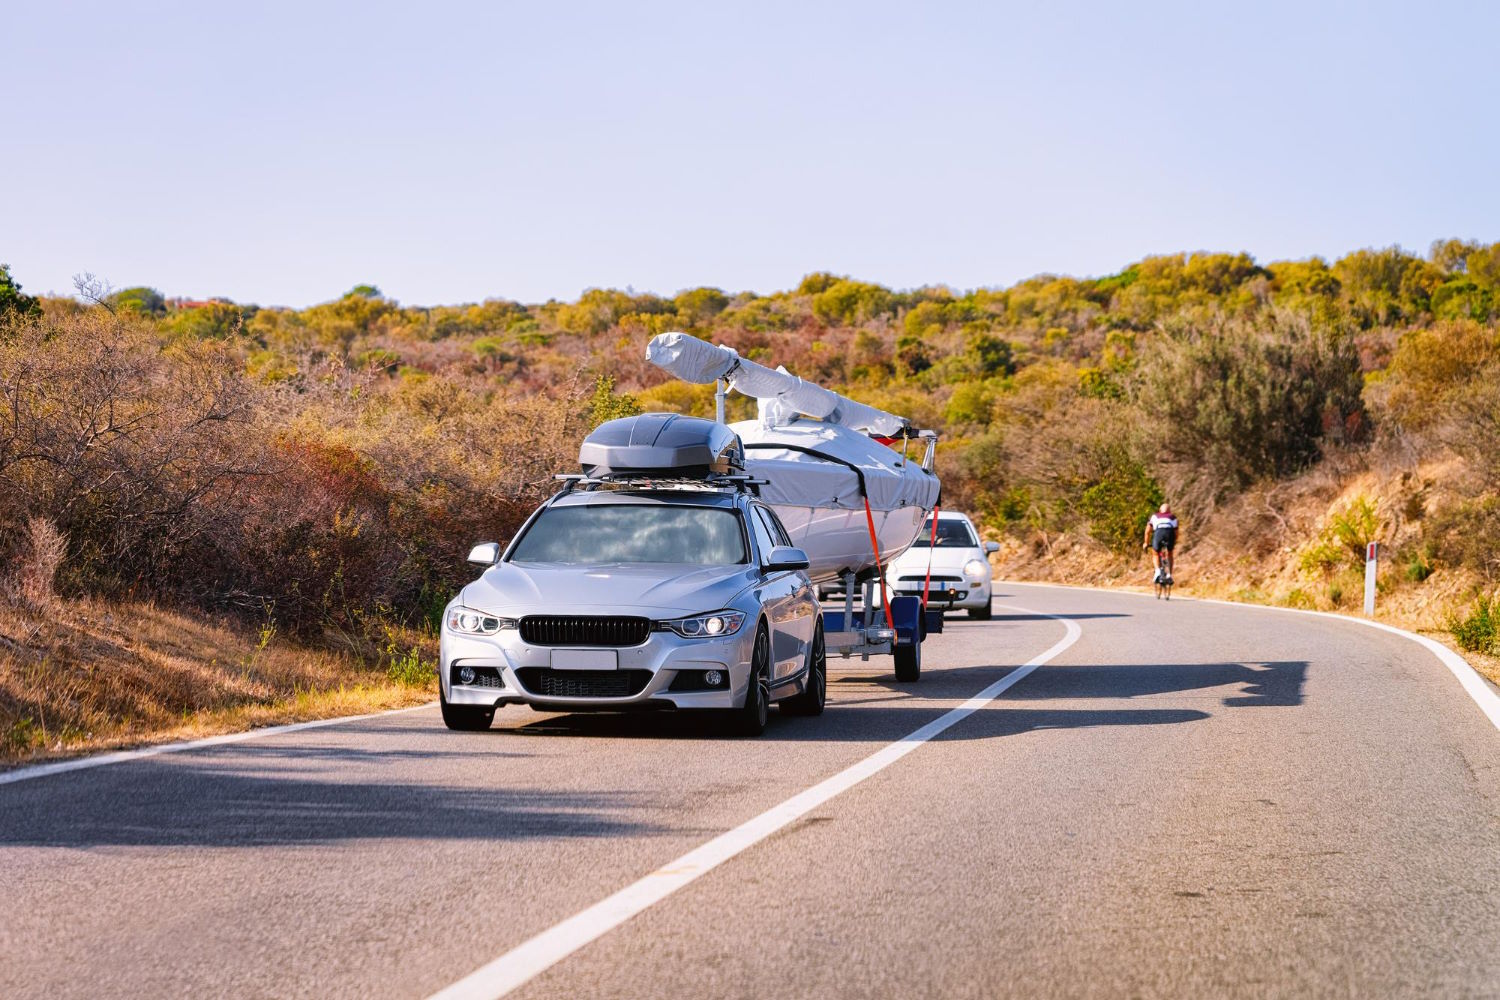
[1473,683]
[535,956]
[123,756]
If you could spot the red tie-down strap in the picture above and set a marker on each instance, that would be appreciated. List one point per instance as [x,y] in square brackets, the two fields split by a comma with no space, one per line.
[931,544]
[875,543]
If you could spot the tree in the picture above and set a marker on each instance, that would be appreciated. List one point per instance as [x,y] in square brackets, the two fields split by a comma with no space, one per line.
[848,302]
[606,404]
[12,301]
[1450,255]
[818,281]
[699,305]
[140,300]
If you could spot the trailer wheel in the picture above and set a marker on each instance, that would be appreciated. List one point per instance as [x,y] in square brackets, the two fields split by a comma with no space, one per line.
[909,662]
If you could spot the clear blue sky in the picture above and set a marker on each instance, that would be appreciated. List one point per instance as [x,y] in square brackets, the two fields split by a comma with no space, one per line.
[282,152]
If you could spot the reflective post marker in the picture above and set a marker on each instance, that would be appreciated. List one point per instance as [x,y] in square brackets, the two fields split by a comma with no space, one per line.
[1371,551]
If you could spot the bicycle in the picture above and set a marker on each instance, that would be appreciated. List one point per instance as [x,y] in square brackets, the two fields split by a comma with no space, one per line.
[1161,580]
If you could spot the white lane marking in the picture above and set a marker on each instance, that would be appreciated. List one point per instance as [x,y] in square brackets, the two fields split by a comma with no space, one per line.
[122,756]
[1474,684]
[551,946]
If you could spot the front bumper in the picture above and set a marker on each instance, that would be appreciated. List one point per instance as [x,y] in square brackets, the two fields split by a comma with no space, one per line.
[509,670]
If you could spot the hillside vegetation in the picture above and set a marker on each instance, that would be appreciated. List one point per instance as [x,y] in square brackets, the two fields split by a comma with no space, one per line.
[319,472]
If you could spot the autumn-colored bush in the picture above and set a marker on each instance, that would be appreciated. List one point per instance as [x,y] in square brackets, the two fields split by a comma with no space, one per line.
[1236,401]
[120,442]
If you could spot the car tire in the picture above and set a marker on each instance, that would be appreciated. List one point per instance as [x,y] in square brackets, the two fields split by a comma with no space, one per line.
[815,695]
[909,663]
[465,718]
[751,717]
[983,614]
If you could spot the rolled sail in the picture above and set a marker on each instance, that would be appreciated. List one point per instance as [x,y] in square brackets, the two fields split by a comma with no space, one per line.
[813,447]
[781,394]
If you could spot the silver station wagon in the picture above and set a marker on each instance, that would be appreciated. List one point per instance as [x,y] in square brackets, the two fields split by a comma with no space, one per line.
[655,580]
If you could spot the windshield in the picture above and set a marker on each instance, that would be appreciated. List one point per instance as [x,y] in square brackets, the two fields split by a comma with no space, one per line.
[634,533]
[950,534]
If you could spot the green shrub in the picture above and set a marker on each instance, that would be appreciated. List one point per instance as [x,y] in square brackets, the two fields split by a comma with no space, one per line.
[1418,566]
[973,402]
[1477,631]
[1242,400]
[1298,598]
[1343,539]
[1118,505]
[606,404]
[408,668]
[1464,535]
[1355,527]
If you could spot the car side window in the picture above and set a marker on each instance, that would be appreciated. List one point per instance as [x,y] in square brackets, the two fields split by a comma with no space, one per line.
[777,528]
[765,539]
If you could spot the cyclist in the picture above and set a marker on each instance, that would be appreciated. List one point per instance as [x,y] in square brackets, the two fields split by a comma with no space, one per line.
[1161,539]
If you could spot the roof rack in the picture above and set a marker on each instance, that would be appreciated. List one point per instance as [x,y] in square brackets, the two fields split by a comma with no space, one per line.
[635,480]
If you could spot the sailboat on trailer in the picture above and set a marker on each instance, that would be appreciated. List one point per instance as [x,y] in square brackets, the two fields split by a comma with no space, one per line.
[831,467]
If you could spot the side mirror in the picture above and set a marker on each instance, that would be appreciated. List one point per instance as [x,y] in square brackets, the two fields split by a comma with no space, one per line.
[485,553]
[785,557]
[990,548]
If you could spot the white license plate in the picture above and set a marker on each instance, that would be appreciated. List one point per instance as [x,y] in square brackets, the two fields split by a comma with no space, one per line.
[585,659]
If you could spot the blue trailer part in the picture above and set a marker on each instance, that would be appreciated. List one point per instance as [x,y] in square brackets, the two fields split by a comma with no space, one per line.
[864,629]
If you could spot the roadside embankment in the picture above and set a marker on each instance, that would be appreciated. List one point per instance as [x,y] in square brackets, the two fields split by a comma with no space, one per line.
[81,676]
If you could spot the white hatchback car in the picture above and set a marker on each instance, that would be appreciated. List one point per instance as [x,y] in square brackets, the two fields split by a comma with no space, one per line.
[959,564]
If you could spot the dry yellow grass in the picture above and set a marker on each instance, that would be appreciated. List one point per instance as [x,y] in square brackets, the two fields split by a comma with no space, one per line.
[80,676]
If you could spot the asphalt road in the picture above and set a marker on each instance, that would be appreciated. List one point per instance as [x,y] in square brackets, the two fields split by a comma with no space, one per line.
[1190,800]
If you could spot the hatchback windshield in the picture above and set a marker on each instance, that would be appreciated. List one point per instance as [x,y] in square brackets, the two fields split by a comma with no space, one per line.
[634,533]
[950,534]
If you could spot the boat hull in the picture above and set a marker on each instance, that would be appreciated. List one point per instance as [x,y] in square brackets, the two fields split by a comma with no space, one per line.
[820,478]
[837,541]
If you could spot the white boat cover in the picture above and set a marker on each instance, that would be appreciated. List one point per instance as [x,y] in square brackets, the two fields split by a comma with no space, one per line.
[798,479]
[782,395]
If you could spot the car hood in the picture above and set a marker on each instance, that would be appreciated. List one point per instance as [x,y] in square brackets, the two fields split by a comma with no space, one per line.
[949,562]
[650,590]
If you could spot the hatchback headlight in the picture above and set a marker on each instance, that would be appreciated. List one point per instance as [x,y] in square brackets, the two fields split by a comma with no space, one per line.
[976,570]
[714,625]
[467,621]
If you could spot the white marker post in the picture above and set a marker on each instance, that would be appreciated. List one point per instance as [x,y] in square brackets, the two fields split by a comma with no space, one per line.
[1371,551]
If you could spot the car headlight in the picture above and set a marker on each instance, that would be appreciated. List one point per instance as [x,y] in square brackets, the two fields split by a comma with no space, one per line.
[467,621]
[714,625]
[976,570]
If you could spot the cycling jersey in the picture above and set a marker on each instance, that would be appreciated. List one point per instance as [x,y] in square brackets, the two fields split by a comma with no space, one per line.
[1163,531]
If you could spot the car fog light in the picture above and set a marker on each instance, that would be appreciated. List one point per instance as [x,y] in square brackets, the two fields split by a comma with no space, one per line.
[713,678]
[466,675]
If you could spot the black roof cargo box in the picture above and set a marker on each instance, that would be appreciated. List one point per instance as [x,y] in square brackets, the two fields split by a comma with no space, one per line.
[662,445]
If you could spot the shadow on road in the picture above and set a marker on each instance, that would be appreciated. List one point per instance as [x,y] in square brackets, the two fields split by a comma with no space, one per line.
[1263,682]
[211,807]
[847,723]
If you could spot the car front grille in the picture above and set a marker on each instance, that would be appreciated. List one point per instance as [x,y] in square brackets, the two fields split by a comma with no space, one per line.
[935,579]
[599,630]
[548,683]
